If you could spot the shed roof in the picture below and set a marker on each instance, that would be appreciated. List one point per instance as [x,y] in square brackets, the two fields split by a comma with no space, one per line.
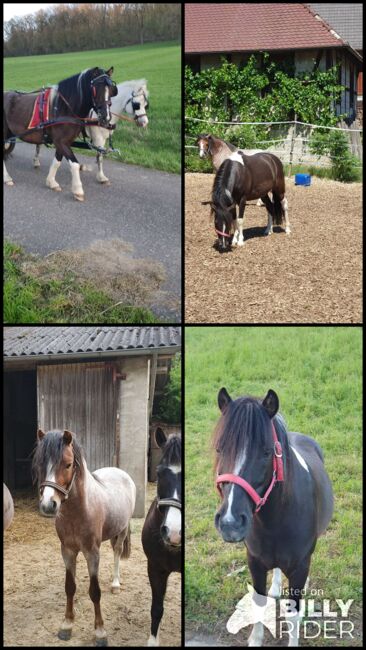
[344,17]
[38,341]
[251,27]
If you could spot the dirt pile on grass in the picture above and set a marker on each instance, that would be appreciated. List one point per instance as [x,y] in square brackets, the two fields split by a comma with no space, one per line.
[107,266]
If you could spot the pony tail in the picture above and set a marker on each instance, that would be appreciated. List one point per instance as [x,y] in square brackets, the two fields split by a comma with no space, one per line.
[278,212]
[126,551]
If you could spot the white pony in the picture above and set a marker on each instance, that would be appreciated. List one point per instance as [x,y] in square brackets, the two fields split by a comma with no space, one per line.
[132,99]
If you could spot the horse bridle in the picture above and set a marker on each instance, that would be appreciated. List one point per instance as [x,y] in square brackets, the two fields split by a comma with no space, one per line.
[102,78]
[56,486]
[277,476]
[136,105]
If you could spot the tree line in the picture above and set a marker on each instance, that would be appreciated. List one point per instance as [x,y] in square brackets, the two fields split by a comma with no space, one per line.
[74,27]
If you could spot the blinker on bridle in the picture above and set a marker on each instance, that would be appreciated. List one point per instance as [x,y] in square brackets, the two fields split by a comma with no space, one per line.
[277,476]
[59,488]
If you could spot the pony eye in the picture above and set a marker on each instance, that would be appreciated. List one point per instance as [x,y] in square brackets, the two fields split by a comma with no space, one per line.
[68,466]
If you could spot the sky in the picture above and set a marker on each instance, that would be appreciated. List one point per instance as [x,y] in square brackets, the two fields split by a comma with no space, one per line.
[13,9]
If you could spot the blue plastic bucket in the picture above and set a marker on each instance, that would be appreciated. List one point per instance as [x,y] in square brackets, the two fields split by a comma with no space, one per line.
[302,179]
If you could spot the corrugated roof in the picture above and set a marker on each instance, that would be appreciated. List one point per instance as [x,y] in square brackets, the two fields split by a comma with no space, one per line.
[219,27]
[29,341]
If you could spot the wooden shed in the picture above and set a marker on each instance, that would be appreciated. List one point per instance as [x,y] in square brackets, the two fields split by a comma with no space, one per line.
[99,382]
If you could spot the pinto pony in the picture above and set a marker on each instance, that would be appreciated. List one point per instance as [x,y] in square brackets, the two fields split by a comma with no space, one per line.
[89,509]
[239,181]
[275,496]
[70,103]
[161,534]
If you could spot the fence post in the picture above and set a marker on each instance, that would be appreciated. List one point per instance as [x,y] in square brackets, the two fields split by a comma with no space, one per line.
[293,138]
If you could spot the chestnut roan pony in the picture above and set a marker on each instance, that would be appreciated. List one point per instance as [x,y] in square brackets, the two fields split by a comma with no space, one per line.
[89,508]
[161,534]
[70,103]
[275,496]
[241,180]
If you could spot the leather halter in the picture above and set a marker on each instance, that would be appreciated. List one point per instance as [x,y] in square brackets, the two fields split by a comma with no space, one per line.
[56,486]
[277,476]
[174,503]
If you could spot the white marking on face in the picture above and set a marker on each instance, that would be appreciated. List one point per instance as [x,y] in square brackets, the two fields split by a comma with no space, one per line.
[202,149]
[175,468]
[300,458]
[173,522]
[49,493]
[106,96]
[228,518]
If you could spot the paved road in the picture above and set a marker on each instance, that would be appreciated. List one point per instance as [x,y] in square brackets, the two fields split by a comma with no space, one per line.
[141,207]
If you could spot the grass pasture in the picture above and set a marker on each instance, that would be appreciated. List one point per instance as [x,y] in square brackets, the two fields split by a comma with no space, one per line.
[316,372]
[158,146]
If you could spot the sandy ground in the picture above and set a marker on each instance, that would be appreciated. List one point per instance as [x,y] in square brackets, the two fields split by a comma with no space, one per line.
[34,597]
[312,275]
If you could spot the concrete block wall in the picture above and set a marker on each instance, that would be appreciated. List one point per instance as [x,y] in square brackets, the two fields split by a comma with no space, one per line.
[134,425]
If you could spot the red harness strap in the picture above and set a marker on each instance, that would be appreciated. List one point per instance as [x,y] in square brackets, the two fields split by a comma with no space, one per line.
[41,109]
[277,476]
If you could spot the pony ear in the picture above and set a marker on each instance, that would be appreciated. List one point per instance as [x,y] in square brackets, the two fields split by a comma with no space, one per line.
[223,399]
[160,437]
[40,435]
[271,403]
[67,437]
[110,71]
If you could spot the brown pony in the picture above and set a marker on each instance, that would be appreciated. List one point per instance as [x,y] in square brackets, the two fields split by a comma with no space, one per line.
[89,509]
[70,103]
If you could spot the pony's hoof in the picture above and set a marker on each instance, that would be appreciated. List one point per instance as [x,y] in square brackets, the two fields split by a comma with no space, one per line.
[9,183]
[240,243]
[288,231]
[79,197]
[56,188]
[115,590]
[268,232]
[64,635]
[106,182]
[101,642]
[37,165]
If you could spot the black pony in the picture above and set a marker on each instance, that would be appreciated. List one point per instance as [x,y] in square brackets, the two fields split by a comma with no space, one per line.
[161,533]
[242,178]
[70,103]
[276,495]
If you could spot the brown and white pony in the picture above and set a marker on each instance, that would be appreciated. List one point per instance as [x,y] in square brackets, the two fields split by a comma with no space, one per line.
[90,508]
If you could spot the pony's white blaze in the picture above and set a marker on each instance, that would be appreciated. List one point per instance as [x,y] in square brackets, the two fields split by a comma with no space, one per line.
[175,468]
[202,150]
[49,493]
[106,96]
[228,517]
[300,458]
[173,522]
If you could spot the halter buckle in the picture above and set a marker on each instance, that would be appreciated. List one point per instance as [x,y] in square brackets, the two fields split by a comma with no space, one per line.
[277,447]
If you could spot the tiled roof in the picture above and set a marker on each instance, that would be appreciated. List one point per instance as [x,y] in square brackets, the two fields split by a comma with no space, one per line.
[219,27]
[29,341]
[344,17]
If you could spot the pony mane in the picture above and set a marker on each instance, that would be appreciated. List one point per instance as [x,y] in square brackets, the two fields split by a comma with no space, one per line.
[76,90]
[172,452]
[245,422]
[49,450]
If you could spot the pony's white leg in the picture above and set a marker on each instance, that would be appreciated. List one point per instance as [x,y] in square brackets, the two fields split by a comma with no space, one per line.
[101,178]
[236,233]
[284,205]
[153,640]
[117,545]
[7,178]
[269,229]
[260,202]
[76,186]
[256,637]
[69,558]
[51,178]
[36,161]
[276,586]
[241,228]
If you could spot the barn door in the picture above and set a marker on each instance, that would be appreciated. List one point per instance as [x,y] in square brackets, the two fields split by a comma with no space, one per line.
[81,397]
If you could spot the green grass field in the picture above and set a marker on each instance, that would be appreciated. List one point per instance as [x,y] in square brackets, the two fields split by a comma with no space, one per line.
[158,146]
[316,371]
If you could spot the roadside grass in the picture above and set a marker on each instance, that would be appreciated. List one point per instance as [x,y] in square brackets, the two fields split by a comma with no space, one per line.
[30,299]
[159,145]
[316,372]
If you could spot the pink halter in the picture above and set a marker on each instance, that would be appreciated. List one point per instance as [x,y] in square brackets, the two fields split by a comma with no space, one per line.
[277,476]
